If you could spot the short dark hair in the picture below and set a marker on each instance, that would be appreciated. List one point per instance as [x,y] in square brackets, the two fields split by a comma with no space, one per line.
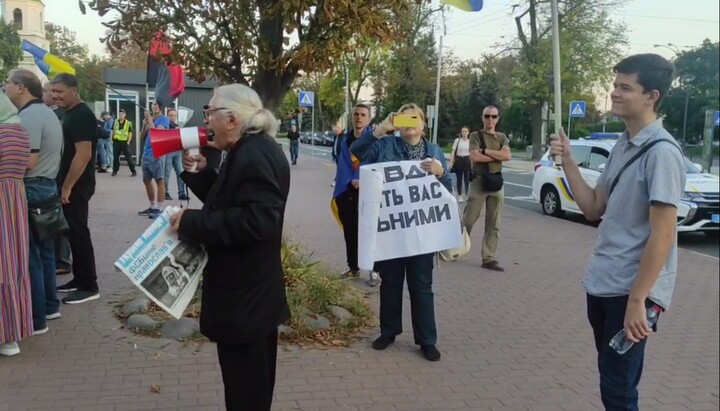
[65,79]
[365,106]
[654,72]
[29,80]
[491,106]
[171,109]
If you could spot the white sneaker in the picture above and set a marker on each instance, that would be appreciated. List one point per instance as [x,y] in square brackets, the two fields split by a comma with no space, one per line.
[53,316]
[9,349]
[41,331]
[461,198]
[374,280]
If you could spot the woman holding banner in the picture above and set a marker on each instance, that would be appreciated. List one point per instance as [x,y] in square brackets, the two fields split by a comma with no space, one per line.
[410,145]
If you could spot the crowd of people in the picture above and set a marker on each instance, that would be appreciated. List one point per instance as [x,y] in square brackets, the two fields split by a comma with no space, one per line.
[45,165]
[632,269]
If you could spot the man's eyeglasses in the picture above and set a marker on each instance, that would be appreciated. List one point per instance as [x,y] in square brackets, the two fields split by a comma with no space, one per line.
[491,116]
[207,110]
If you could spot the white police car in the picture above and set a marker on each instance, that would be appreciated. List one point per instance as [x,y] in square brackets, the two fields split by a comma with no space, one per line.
[699,208]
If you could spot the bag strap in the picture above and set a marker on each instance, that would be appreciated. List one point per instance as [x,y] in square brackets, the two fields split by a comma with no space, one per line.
[457,144]
[483,145]
[634,158]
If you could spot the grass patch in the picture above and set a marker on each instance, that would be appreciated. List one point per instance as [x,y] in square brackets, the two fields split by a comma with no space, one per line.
[311,288]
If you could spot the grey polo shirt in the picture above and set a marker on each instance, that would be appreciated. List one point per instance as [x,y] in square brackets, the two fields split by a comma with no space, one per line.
[46,138]
[657,177]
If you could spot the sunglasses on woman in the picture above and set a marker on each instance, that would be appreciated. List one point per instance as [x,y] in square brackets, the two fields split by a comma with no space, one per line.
[491,116]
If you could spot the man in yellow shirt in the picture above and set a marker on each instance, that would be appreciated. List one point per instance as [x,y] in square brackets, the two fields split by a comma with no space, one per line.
[121,137]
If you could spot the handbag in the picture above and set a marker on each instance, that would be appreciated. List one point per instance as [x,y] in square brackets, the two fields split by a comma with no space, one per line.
[491,182]
[47,219]
[453,254]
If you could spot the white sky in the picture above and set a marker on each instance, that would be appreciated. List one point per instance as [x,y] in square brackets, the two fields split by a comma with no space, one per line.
[649,22]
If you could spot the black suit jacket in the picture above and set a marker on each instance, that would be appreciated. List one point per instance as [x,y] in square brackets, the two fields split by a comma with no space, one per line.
[241,226]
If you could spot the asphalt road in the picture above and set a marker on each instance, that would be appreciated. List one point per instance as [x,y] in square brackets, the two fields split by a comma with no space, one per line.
[518,193]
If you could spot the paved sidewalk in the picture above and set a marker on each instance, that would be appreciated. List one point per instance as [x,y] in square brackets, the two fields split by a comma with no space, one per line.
[517,340]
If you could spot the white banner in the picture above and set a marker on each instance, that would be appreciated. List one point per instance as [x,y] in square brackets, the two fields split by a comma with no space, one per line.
[404,211]
[164,268]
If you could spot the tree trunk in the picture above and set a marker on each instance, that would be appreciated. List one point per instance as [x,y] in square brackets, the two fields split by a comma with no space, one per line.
[270,83]
[538,139]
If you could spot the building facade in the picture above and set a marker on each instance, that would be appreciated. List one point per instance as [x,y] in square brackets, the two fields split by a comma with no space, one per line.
[29,19]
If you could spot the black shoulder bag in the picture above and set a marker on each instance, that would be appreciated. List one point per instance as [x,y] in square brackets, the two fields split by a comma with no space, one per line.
[491,182]
[47,219]
[635,158]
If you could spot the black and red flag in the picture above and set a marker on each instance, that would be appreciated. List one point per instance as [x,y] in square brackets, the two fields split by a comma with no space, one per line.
[168,79]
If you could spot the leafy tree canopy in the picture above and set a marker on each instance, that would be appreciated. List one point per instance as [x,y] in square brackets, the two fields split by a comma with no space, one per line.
[262,43]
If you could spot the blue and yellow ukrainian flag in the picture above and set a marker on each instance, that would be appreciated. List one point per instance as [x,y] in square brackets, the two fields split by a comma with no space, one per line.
[49,64]
[465,5]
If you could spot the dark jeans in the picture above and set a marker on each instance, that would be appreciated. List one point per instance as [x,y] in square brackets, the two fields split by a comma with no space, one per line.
[83,253]
[43,280]
[422,306]
[619,374]
[121,147]
[294,150]
[248,372]
[462,171]
[347,204]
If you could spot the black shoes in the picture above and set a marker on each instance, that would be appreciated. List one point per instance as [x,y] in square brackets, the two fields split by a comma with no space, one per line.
[430,352]
[382,342]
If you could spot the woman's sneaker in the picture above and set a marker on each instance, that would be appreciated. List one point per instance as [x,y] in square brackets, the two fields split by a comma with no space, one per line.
[9,349]
[374,280]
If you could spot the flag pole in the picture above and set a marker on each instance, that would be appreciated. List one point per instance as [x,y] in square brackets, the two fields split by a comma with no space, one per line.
[126,98]
[556,74]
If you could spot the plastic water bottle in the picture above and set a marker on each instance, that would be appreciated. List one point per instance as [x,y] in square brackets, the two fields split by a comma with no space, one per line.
[621,344]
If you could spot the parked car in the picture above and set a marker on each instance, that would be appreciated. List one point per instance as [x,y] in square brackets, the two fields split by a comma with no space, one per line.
[699,208]
[328,138]
[305,137]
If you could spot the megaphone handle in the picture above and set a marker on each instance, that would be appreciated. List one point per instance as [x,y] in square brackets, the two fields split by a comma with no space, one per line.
[194,152]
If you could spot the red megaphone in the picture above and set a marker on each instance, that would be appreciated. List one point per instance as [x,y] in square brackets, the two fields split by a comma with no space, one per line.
[168,141]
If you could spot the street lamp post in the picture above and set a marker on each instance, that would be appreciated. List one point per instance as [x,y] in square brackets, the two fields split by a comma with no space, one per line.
[670,46]
[684,80]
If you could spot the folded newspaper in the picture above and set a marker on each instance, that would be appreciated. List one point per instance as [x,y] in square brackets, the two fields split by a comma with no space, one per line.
[166,269]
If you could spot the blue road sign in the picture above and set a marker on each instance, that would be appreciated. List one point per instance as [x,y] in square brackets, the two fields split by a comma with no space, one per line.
[306,99]
[577,108]
[717,118]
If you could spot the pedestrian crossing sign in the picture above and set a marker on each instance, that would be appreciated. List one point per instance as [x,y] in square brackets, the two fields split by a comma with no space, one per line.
[306,99]
[577,108]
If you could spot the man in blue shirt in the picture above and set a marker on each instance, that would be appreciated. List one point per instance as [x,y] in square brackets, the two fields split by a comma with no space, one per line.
[105,148]
[153,169]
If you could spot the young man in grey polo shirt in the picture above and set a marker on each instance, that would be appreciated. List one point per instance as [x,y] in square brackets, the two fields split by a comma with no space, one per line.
[634,263]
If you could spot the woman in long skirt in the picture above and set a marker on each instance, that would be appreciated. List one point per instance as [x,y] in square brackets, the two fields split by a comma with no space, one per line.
[15,304]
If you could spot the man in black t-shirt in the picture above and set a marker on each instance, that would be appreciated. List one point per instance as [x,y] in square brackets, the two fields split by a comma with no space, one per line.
[76,179]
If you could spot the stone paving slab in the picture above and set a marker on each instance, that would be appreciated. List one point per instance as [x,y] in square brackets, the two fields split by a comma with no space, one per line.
[517,340]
